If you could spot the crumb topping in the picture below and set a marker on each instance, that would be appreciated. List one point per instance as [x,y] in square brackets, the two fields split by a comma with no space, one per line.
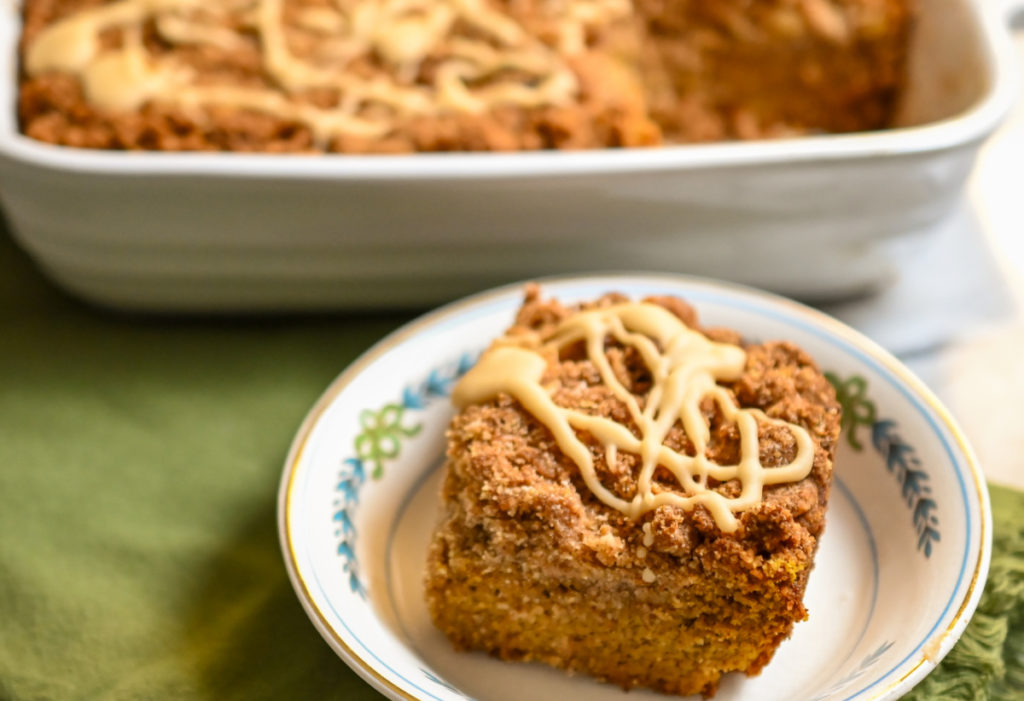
[665,377]
[520,472]
[402,76]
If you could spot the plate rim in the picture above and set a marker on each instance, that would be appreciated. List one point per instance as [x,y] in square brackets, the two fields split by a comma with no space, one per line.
[931,650]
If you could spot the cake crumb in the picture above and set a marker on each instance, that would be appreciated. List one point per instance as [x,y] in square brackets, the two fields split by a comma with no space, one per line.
[648,536]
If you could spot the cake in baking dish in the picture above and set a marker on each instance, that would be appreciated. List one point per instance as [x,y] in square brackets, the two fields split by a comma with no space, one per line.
[391,76]
[630,496]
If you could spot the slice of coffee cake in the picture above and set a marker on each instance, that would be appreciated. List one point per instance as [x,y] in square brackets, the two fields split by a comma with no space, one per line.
[631,497]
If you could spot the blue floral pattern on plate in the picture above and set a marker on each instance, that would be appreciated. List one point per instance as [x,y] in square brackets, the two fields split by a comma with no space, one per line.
[378,442]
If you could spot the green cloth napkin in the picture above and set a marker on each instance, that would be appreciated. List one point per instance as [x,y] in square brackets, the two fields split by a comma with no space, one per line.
[139,464]
[988,660]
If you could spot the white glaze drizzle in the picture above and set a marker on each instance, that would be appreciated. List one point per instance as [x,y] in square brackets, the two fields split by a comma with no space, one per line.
[685,369]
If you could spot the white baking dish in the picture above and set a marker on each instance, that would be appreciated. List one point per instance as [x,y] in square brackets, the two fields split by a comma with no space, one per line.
[807,217]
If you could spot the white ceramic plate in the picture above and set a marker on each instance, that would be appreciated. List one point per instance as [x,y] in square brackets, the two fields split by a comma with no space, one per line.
[899,571]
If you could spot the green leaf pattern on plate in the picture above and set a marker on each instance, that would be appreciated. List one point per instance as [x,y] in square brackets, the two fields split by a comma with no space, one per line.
[381,437]
[858,410]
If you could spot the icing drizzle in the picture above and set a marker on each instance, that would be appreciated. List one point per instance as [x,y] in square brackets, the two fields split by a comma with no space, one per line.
[481,57]
[685,368]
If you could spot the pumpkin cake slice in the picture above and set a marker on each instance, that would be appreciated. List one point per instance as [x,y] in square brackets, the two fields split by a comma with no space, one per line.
[631,496]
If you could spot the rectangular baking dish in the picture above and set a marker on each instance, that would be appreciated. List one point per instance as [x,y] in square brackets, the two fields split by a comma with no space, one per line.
[808,217]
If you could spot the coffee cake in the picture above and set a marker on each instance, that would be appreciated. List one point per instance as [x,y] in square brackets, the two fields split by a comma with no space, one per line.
[392,76]
[631,496]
